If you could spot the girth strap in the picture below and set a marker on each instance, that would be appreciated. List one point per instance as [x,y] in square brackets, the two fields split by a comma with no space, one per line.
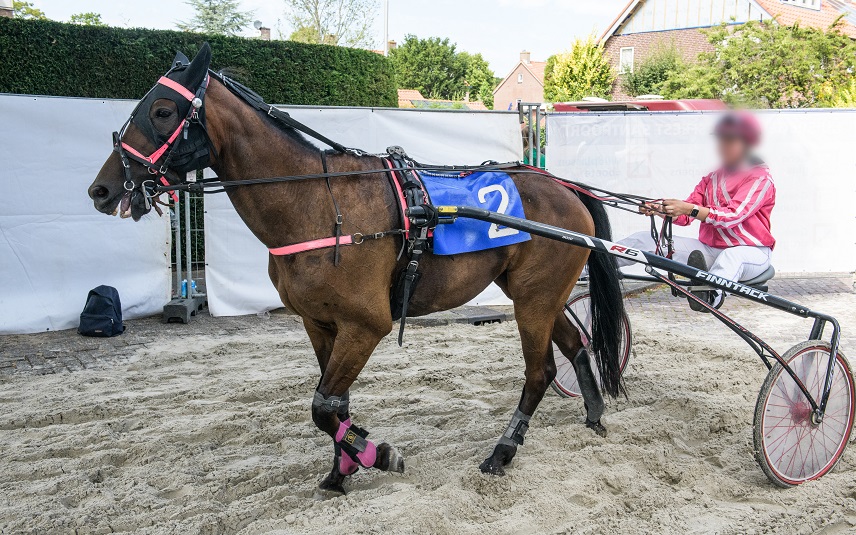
[417,205]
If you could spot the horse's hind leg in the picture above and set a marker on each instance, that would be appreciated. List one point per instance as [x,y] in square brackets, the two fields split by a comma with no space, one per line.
[567,338]
[535,329]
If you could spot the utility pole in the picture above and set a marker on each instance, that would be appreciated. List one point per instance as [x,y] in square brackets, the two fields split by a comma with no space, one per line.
[386,27]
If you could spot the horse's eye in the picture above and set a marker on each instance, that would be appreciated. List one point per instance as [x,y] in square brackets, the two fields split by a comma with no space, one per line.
[163,113]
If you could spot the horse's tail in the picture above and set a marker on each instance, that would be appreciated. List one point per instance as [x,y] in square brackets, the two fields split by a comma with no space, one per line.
[607,304]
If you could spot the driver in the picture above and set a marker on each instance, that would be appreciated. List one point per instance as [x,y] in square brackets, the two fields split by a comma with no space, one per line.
[732,204]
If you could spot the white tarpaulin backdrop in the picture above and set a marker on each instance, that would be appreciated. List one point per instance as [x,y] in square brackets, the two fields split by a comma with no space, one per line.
[810,154]
[54,246]
[236,262]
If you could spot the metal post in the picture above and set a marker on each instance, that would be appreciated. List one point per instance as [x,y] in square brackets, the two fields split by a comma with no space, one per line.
[189,255]
[531,131]
[177,244]
[538,136]
[386,28]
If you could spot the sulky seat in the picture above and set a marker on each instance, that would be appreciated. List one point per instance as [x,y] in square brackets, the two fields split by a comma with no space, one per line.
[760,281]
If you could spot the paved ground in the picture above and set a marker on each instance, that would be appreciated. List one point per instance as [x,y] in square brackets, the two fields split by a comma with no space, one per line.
[65,351]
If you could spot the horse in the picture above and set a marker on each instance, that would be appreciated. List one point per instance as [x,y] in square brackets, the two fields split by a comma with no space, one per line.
[191,120]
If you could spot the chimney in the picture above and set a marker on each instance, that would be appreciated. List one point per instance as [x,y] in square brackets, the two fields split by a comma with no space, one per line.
[7,9]
[265,34]
[391,45]
[526,57]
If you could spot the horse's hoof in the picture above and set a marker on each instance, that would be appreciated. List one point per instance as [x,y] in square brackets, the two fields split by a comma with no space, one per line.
[597,427]
[492,467]
[388,459]
[323,494]
[331,486]
[502,456]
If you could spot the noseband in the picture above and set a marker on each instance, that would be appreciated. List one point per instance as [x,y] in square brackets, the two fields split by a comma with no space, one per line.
[158,162]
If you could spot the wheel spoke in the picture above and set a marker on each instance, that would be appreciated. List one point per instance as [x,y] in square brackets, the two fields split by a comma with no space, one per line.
[795,449]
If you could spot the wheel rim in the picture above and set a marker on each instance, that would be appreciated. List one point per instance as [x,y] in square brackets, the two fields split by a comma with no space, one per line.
[566,378]
[796,449]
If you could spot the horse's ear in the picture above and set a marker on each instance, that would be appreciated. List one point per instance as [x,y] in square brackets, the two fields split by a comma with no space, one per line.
[199,66]
[180,59]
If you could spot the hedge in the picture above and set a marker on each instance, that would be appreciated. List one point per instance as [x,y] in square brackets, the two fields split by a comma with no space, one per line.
[52,58]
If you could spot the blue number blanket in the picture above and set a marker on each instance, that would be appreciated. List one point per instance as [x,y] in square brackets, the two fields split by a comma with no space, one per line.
[493,191]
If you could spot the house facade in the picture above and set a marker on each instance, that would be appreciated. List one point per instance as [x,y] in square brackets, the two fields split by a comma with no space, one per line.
[643,26]
[525,83]
[7,9]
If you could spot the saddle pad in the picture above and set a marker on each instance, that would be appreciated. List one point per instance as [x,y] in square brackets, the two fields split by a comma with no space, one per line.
[490,190]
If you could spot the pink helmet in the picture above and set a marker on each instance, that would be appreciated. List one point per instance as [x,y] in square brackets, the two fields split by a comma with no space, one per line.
[740,124]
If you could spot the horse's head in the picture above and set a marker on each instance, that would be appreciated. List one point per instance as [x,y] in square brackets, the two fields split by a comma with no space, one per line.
[163,138]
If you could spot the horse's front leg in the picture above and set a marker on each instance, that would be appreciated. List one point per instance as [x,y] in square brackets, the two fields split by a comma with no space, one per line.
[352,347]
[322,337]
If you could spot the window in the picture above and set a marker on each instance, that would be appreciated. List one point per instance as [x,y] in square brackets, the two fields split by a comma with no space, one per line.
[520,78]
[810,4]
[625,60]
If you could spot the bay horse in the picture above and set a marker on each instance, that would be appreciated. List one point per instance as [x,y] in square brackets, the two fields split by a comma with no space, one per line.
[345,304]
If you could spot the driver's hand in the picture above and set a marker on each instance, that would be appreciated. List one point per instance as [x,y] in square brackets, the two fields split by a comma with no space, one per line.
[651,208]
[676,207]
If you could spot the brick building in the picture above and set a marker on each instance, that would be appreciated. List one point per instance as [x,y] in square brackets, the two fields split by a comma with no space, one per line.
[525,83]
[644,25]
[6,8]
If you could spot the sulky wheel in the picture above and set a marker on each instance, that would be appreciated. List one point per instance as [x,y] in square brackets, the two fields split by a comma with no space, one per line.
[789,446]
[565,384]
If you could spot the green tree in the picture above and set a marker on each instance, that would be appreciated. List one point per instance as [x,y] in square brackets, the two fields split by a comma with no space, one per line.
[305,34]
[333,22]
[86,19]
[26,10]
[430,65]
[222,17]
[695,81]
[841,96]
[436,68]
[581,72]
[480,79]
[767,65]
[648,77]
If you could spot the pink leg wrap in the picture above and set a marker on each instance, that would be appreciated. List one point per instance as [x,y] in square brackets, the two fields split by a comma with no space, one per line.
[347,466]
[367,457]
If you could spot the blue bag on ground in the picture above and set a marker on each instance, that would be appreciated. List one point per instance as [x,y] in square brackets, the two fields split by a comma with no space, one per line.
[102,314]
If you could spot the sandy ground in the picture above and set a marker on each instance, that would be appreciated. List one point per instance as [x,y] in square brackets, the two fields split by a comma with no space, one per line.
[211,434]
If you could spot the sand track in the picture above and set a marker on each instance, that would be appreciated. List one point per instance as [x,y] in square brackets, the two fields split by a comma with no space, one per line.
[213,435]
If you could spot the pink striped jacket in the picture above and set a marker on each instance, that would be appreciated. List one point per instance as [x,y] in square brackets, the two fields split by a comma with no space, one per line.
[740,204]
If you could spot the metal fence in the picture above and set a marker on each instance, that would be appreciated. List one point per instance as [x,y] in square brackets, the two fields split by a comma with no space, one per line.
[187,218]
[533,117]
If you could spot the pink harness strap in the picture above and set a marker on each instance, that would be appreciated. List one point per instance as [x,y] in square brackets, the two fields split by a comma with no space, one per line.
[324,243]
[311,245]
[177,87]
[400,192]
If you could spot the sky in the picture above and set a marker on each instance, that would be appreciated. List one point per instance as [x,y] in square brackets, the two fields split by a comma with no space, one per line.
[498,29]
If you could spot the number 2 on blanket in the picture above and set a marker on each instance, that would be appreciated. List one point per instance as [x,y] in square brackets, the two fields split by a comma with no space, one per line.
[494,231]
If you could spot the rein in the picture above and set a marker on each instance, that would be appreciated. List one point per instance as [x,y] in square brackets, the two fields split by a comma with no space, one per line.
[158,162]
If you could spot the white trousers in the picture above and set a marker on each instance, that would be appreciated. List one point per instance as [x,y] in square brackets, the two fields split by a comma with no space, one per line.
[740,263]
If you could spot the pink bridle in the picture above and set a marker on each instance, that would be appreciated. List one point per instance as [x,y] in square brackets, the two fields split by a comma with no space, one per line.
[151,160]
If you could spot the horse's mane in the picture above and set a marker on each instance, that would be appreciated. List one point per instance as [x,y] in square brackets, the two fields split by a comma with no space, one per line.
[240,75]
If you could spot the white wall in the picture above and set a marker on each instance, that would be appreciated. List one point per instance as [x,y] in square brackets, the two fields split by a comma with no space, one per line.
[810,154]
[236,262]
[54,246]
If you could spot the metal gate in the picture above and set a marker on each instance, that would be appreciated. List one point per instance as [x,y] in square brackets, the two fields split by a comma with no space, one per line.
[533,118]
[187,219]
